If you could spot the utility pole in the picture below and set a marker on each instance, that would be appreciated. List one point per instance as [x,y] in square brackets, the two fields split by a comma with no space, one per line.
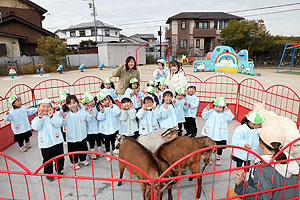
[159,33]
[93,7]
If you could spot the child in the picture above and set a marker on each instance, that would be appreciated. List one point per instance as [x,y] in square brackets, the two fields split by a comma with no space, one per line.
[75,121]
[58,107]
[247,136]
[167,111]
[216,124]
[190,110]
[50,138]
[148,116]
[108,115]
[150,83]
[179,104]
[161,73]
[109,88]
[93,135]
[18,116]
[129,127]
[162,86]
[134,93]
[151,91]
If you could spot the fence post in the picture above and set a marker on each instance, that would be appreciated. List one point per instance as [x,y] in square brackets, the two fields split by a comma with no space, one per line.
[298,119]
[33,98]
[237,100]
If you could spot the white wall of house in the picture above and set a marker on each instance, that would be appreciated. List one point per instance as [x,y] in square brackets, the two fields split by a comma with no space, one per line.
[12,46]
[174,27]
[114,35]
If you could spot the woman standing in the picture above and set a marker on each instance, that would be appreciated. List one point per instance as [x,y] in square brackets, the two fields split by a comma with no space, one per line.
[176,76]
[125,72]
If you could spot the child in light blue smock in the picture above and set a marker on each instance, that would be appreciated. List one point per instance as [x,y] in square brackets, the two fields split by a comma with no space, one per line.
[93,134]
[161,73]
[247,136]
[50,138]
[163,85]
[129,126]
[190,110]
[148,116]
[109,123]
[216,124]
[179,108]
[75,120]
[108,87]
[134,93]
[167,111]
[18,116]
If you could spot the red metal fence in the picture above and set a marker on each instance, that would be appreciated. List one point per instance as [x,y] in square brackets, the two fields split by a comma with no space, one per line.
[240,96]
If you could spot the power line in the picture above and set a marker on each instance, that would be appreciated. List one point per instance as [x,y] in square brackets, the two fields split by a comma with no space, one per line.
[268,7]
[282,11]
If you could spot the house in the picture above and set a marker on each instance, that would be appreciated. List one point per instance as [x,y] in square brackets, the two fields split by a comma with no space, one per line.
[86,31]
[196,33]
[62,34]
[21,27]
[146,37]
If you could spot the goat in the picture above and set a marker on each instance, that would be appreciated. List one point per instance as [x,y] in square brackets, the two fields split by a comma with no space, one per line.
[175,149]
[287,126]
[135,153]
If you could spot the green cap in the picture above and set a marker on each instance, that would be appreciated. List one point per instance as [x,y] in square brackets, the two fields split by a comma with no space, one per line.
[133,80]
[62,98]
[220,101]
[167,90]
[180,90]
[87,97]
[162,61]
[151,83]
[12,99]
[64,92]
[45,100]
[107,81]
[101,96]
[255,117]
[163,82]
[150,89]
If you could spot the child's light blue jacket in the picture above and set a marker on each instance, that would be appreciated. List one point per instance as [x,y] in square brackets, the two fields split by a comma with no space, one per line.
[109,121]
[19,119]
[136,99]
[167,117]
[128,122]
[161,76]
[244,135]
[148,120]
[216,124]
[111,92]
[192,110]
[92,126]
[179,110]
[49,133]
[76,123]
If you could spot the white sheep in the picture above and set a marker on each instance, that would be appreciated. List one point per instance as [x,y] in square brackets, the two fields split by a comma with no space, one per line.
[288,127]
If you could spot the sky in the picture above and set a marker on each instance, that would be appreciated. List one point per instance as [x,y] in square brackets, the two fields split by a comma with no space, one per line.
[64,13]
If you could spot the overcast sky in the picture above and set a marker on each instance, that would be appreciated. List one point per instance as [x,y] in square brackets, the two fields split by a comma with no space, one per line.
[64,13]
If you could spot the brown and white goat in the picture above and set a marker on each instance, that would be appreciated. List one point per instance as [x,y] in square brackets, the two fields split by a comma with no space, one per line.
[135,153]
[182,146]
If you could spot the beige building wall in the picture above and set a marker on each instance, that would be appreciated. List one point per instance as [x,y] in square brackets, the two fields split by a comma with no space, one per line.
[15,4]
[174,27]
[12,46]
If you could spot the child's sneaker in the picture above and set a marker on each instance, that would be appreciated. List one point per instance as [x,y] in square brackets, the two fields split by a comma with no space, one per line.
[28,145]
[85,163]
[76,166]
[23,149]
[218,161]
[108,158]
[50,178]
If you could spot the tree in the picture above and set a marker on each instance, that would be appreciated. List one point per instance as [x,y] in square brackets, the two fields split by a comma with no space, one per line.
[52,48]
[247,34]
[88,44]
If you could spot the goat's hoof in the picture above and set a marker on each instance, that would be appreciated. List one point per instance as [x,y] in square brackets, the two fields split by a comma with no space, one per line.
[119,183]
[191,178]
[198,195]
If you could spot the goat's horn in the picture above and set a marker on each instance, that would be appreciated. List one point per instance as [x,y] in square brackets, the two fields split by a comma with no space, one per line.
[167,185]
[166,132]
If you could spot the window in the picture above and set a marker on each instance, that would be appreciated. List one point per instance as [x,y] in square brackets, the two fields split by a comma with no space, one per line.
[92,32]
[107,33]
[220,25]
[183,43]
[116,33]
[183,24]
[225,24]
[82,33]
[197,43]
[3,51]
[202,25]
[215,24]
[72,34]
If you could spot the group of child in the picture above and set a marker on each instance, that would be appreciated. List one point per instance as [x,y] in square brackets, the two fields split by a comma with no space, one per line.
[98,119]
